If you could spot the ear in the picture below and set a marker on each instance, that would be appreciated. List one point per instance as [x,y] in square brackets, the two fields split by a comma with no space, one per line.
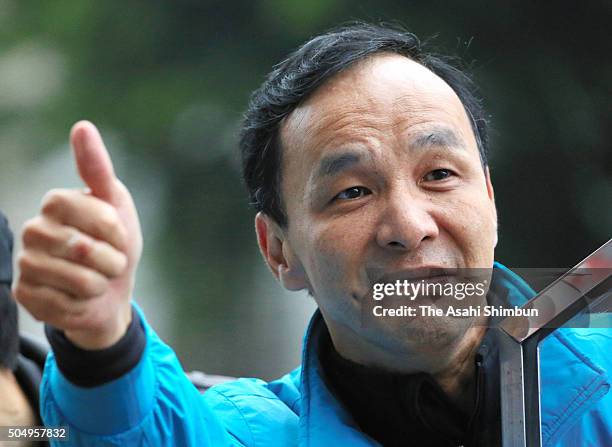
[490,191]
[278,253]
[491,195]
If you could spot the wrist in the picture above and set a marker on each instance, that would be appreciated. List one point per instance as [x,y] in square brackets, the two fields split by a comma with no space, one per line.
[101,339]
[94,367]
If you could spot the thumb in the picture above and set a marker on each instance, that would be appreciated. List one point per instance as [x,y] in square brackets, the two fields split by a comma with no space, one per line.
[92,160]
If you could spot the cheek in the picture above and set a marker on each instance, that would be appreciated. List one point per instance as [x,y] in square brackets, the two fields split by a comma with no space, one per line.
[471,223]
[337,249]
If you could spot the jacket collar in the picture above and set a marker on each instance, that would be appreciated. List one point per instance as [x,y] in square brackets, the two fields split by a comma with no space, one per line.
[324,421]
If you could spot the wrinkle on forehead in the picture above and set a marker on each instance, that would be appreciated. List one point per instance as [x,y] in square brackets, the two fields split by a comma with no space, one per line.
[365,98]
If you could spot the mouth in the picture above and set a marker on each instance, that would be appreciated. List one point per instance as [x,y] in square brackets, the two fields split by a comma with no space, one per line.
[423,273]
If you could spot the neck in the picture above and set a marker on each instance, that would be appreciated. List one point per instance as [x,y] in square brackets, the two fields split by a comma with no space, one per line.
[452,366]
[458,379]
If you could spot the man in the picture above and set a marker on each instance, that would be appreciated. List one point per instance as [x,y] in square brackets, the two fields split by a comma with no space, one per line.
[21,360]
[366,159]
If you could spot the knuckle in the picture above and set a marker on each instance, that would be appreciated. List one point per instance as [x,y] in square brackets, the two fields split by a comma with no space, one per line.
[24,262]
[107,219]
[109,224]
[32,231]
[81,249]
[27,297]
[53,201]
[41,303]
[21,293]
[90,285]
[120,265]
[31,225]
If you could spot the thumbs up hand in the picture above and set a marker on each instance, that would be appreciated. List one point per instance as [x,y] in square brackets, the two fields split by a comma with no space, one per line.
[80,254]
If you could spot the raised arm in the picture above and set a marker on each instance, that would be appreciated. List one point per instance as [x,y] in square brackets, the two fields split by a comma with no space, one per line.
[110,379]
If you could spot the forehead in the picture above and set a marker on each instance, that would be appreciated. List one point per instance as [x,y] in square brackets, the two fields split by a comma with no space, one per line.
[386,90]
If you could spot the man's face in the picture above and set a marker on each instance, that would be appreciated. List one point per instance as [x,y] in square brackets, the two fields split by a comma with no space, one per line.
[381,173]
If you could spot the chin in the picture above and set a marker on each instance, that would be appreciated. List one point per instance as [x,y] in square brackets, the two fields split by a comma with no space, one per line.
[426,335]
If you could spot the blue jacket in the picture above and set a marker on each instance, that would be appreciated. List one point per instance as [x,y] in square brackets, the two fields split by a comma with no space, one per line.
[156,405]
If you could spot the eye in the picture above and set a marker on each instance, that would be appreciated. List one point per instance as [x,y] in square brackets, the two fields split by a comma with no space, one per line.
[352,193]
[437,175]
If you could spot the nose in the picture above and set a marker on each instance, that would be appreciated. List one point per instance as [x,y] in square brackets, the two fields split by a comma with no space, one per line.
[405,223]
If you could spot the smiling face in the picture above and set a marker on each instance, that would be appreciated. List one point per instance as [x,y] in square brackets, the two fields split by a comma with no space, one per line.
[380,173]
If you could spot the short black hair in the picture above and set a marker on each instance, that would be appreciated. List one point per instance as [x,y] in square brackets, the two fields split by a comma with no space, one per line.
[9,331]
[297,77]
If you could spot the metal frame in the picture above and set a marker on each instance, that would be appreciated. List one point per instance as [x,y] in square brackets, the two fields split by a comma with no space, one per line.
[519,344]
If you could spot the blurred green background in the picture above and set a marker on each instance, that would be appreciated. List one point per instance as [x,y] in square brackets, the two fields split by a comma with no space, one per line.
[167,83]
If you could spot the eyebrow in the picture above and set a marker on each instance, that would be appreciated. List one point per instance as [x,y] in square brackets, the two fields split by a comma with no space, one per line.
[335,163]
[442,137]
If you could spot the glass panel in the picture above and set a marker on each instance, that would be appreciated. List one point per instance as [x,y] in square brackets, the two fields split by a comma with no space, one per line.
[573,361]
[553,364]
